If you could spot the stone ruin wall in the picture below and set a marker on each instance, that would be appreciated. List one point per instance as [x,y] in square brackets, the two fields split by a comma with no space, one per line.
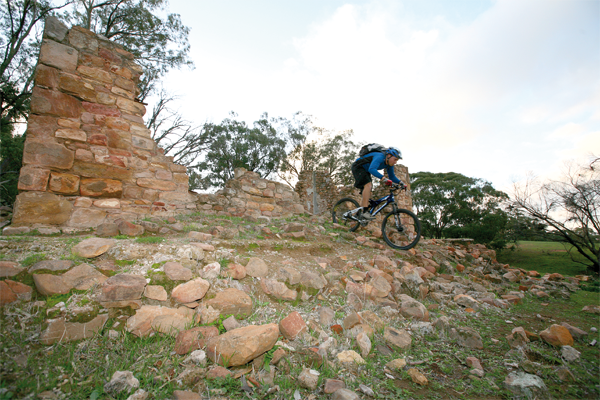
[248,195]
[88,157]
[328,194]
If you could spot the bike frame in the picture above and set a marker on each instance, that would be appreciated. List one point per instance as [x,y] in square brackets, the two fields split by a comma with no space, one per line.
[389,199]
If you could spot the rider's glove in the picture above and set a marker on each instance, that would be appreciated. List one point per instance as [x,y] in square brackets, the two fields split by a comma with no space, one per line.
[388,182]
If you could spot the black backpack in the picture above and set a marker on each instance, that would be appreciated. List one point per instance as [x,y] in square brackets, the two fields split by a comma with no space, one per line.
[371,147]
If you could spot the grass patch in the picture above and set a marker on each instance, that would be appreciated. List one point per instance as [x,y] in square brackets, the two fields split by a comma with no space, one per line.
[33,259]
[544,257]
[150,239]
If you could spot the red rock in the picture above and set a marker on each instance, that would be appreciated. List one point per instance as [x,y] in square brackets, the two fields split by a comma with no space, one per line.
[51,102]
[460,267]
[95,108]
[194,339]
[235,271]
[64,183]
[337,329]
[9,268]
[101,188]
[32,178]
[231,301]
[217,372]
[555,277]
[239,346]
[58,55]
[292,325]
[7,296]
[40,208]
[98,139]
[122,287]
[190,291]
[47,154]
[557,335]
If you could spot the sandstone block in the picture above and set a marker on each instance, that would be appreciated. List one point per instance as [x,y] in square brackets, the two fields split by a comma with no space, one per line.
[64,183]
[51,265]
[397,337]
[156,292]
[100,171]
[86,218]
[177,272]
[40,208]
[292,326]
[140,324]
[47,154]
[195,338]
[46,76]
[58,55]
[77,87]
[256,267]
[44,101]
[101,187]
[60,330]
[49,285]
[123,287]
[156,184]
[73,134]
[41,127]
[143,143]
[93,247]
[7,296]
[557,335]
[82,38]
[100,109]
[108,203]
[131,107]
[231,301]
[95,73]
[32,178]
[9,269]
[239,346]
[190,291]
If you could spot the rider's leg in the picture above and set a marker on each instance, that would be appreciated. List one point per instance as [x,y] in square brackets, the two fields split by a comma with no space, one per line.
[366,195]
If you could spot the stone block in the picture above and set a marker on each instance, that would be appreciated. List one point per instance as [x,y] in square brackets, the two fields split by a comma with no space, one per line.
[156,184]
[83,39]
[106,99]
[97,187]
[121,71]
[58,55]
[126,84]
[32,178]
[164,175]
[74,85]
[92,170]
[86,218]
[98,139]
[73,134]
[143,143]
[46,76]
[40,208]
[100,109]
[118,139]
[95,74]
[54,29]
[41,126]
[44,101]
[64,183]
[47,154]
[131,107]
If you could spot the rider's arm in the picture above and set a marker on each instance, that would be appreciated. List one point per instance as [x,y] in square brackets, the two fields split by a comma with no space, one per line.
[376,162]
[392,176]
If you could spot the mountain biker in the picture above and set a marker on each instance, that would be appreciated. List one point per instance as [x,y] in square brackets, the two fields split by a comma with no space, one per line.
[370,164]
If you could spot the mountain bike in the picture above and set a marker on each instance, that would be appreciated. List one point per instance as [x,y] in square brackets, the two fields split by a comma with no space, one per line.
[401,228]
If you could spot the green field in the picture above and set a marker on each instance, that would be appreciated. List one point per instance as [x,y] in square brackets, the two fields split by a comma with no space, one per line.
[544,257]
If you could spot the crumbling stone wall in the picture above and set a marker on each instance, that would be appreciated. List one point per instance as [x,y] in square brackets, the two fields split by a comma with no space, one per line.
[88,157]
[249,195]
[328,194]
[316,184]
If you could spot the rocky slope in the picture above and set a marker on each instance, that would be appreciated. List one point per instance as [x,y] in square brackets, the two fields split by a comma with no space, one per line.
[287,308]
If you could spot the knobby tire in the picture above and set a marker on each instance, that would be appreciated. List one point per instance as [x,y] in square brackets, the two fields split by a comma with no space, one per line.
[404,236]
[342,206]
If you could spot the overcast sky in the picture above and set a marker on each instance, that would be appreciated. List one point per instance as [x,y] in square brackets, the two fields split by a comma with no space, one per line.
[489,89]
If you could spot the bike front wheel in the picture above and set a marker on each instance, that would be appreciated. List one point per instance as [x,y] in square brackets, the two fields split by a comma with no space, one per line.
[340,212]
[401,229]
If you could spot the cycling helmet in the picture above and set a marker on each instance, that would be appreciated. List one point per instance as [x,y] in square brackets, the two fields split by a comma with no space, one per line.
[394,152]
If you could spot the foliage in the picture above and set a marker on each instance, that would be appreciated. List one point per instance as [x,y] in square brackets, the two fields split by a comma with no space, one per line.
[318,149]
[158,44]
[452,205]
[11,156]
[570,207]
[234,144]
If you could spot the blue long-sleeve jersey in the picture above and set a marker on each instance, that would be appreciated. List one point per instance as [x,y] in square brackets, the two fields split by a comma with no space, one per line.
[378,163]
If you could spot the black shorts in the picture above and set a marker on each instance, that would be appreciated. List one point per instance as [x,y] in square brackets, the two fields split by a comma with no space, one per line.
[361,176]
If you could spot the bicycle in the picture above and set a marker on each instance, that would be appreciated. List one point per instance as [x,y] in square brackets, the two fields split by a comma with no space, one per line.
[401,228]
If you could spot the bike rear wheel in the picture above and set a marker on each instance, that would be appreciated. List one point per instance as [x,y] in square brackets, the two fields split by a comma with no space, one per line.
[340,216]
[401,229]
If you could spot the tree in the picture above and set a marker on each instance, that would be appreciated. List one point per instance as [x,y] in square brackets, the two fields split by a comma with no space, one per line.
[20,39]
[177,137]
[319,149]
[570,207]
[159,44]
[453,205]
[234,144]
[11,156]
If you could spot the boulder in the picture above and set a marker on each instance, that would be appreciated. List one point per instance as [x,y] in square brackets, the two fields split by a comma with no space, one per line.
[239,346]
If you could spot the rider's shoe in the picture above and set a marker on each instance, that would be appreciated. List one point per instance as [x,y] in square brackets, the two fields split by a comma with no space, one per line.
[366,216]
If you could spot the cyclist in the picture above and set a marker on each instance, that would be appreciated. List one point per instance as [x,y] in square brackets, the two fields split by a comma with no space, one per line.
[370,164]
